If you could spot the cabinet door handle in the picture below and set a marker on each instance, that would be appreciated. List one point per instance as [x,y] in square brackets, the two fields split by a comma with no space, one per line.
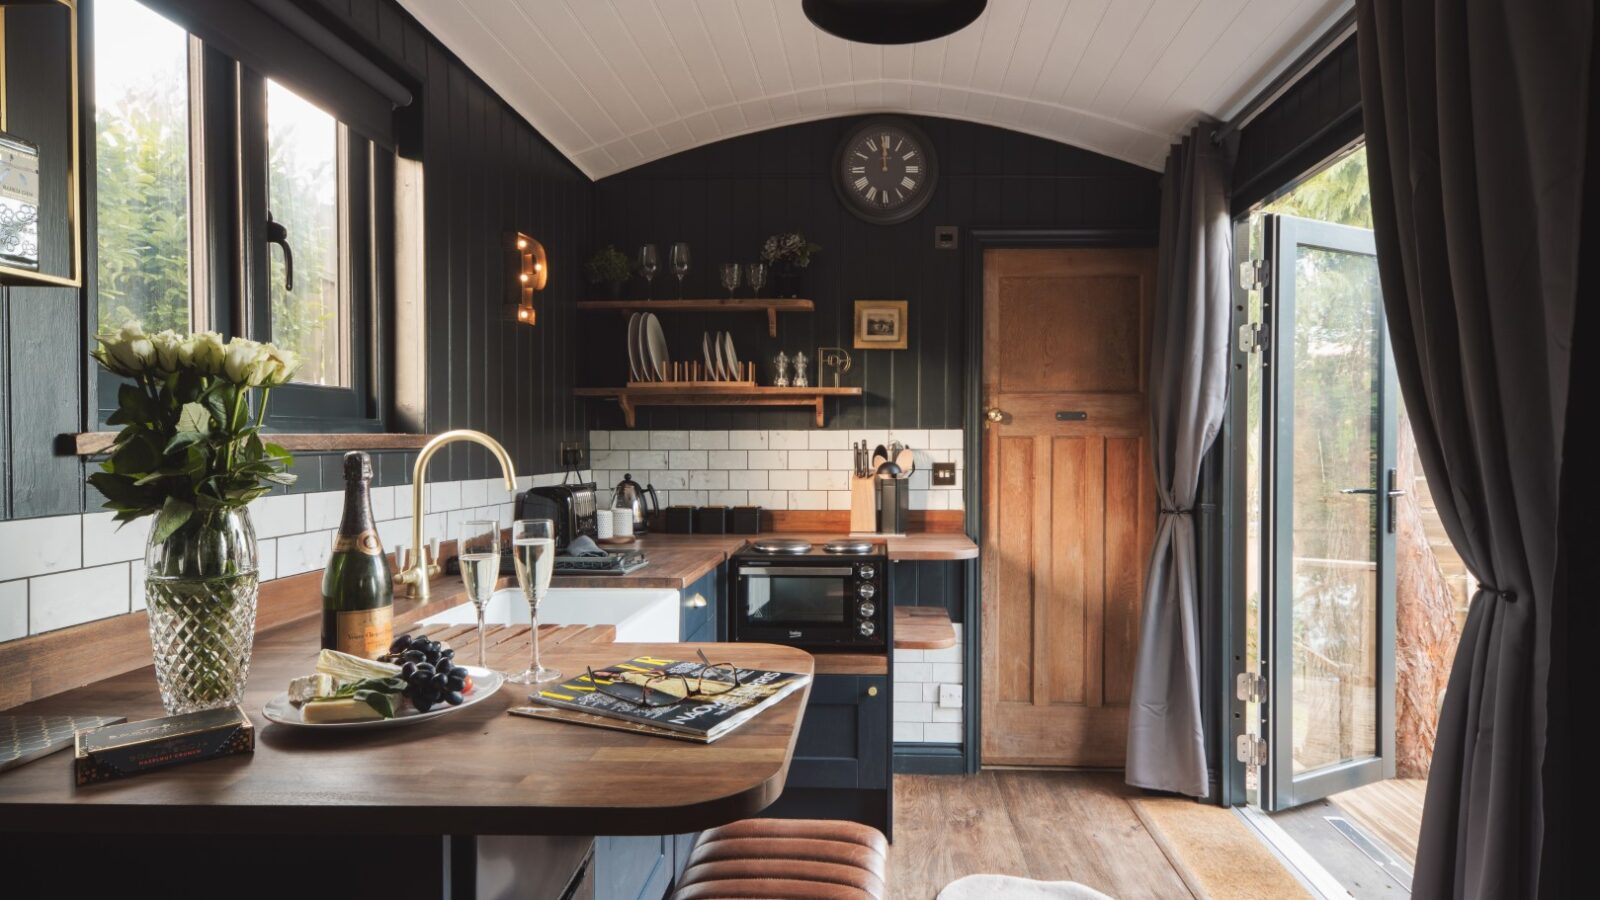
[872,691]
[696,602]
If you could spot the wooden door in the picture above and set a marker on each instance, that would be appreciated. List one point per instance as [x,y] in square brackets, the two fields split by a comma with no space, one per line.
[1069,500]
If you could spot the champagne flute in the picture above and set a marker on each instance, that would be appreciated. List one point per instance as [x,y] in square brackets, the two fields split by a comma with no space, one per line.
[730,278]
[533,549]
[756,274]
[478,552]
[649,262]
[680,264]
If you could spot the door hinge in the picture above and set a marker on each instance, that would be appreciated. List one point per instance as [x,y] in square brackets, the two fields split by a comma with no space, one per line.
[1253,274]
[1252,338]
[1251,687]
[1252,750]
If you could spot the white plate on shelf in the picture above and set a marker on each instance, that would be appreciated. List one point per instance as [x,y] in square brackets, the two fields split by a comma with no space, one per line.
[633,347]
[730,360]
[705,350]
[485,683]
[655,342]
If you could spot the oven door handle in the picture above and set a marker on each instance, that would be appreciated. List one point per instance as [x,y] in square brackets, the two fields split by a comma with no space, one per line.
[763,571]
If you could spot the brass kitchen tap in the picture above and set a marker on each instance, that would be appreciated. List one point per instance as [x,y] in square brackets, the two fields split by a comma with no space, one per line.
[422,562]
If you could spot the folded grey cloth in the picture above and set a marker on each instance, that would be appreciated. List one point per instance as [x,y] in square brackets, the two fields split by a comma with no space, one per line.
[583,545]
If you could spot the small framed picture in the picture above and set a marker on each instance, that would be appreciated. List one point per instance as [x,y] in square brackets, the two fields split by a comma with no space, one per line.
[881,324]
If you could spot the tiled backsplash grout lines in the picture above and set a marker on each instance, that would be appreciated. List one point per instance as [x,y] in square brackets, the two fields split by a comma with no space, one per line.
[770,469]
[929,695]
[66,570]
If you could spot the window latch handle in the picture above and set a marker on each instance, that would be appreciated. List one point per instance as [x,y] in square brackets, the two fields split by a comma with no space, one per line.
[277,234]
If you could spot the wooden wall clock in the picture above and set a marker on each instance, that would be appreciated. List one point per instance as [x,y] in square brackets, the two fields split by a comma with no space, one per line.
[885,170]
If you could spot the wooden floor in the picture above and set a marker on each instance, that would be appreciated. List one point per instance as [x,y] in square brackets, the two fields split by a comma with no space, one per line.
[1389,810]
[1051,826]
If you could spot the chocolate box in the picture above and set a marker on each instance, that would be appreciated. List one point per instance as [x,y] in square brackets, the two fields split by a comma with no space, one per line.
[117,751]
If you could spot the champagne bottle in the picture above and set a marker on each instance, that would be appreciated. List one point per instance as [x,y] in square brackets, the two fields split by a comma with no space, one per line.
[357,587]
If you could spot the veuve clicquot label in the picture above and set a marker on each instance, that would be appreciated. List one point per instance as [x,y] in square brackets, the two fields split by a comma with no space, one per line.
[357,587]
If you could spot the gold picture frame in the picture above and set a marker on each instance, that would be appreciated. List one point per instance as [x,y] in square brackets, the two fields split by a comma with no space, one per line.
[881,324]
[13,275]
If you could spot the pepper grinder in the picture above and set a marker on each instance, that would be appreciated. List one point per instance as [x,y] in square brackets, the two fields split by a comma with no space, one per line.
[802,377]
[780,370]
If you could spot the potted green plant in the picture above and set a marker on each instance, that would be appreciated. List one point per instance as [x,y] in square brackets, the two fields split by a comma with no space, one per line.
[788,255]
[190,454]
[609,266]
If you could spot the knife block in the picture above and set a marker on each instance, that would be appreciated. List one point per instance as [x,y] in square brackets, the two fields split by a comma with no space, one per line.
[863,505]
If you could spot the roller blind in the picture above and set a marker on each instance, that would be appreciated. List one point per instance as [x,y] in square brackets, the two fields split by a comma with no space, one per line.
[281,41]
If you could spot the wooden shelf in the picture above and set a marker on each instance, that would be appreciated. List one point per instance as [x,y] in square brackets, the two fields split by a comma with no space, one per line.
[94,443]
[770,306]
[666,394]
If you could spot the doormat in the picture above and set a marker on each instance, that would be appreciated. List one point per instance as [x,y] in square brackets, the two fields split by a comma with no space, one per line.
[988,887]
[1215,852]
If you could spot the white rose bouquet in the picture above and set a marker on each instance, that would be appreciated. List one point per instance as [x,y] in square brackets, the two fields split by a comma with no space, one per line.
[789,249]
[190,439]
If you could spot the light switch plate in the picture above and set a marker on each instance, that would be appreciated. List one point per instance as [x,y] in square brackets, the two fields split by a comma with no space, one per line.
[950,696]
[946,237]
[944,473]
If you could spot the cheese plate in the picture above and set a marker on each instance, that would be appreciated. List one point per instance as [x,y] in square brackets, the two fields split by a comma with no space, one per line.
[485,682]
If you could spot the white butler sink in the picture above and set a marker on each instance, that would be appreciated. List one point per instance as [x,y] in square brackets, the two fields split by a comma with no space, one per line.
[644,615]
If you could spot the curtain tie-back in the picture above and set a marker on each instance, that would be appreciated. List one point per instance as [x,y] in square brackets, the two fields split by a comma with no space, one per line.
[1168,511]
[1508,596]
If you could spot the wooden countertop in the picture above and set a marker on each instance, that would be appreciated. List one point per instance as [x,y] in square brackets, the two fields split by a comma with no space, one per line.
[923,628]
[479,771]
[679,560]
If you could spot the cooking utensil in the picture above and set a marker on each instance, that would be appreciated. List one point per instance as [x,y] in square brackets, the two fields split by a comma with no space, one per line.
[904,459]
[629,495]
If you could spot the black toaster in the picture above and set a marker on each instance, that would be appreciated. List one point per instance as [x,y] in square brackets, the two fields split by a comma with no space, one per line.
[570,506]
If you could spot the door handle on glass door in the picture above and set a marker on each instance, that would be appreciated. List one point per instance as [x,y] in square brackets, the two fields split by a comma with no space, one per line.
[1358,490]
[995,414]
[1395,492]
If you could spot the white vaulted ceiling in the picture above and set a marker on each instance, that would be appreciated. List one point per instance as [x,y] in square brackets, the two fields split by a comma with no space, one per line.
[617,83]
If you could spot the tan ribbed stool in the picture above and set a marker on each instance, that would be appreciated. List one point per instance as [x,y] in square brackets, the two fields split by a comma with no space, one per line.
[787,859]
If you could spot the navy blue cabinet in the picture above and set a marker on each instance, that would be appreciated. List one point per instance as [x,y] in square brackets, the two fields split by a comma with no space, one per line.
[844,737]
[700,607]
[633,868]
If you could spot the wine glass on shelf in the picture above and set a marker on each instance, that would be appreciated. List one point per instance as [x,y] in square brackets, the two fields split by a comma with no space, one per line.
[730,278]
[533,550]
[478,552]
[680,264]
[649,262]
[756,275]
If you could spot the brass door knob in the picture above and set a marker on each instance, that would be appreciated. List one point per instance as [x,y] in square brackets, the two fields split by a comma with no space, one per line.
[872,691]
[995,414]
[698,601]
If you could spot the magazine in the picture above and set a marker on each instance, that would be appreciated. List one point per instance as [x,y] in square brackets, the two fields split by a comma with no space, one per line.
[697,717]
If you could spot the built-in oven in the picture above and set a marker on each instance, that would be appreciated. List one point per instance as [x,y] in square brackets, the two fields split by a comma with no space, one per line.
[816,603]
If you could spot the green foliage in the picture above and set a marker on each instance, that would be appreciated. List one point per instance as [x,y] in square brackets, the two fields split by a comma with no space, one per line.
[608,264]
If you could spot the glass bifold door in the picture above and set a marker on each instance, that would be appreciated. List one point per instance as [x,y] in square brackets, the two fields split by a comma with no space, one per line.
[1321,515]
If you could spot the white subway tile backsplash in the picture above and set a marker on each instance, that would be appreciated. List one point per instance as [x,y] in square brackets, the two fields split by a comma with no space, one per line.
[687,459]
[844,460]
[786,480]
[947,673]
[941,733]
[911,437]
[838,499]
[908,732]
[946,439]
[105,542]
[267,557]
[383,502]
[708,480]
[747,440]
[599,440]
[727,459]
[71,598]
[39,546]
[829,440]
[279,514]
[669,480]
[727,498]
[770,499]
[913,711]
[789,440]
[947,714]
[394,533]
[828,480]
[911,671]
[769,459]
[474,493]
[444,496]
[136,599]
[645,460]
[630,440]
[808,500]
[13,609]
[685,498]
[745,480]
[708,440]
[324,509]
[402,500]
[808,459]
[304,552]
[669,440]
[873,437]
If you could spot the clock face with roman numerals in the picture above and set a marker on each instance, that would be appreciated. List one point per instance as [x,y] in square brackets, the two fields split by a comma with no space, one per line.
[885,170]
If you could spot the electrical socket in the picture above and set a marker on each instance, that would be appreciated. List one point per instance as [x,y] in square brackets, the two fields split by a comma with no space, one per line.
[572,455]
[950,696]
[944,473]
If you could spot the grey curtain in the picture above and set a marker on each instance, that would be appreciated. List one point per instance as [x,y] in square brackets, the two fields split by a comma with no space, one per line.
[1477,114]
[1188,389]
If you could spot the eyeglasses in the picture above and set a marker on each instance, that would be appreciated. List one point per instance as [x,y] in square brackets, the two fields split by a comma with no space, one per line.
[654,688]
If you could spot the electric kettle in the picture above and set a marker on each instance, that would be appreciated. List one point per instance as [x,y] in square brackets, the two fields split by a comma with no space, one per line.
[629,494]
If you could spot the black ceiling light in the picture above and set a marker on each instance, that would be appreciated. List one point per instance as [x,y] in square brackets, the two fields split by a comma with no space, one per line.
[892,21]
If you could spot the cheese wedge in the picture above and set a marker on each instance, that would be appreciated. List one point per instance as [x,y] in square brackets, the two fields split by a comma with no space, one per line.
[345,710]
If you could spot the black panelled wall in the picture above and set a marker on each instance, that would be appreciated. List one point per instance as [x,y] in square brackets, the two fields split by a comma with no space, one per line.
[487,172]
[723,199]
